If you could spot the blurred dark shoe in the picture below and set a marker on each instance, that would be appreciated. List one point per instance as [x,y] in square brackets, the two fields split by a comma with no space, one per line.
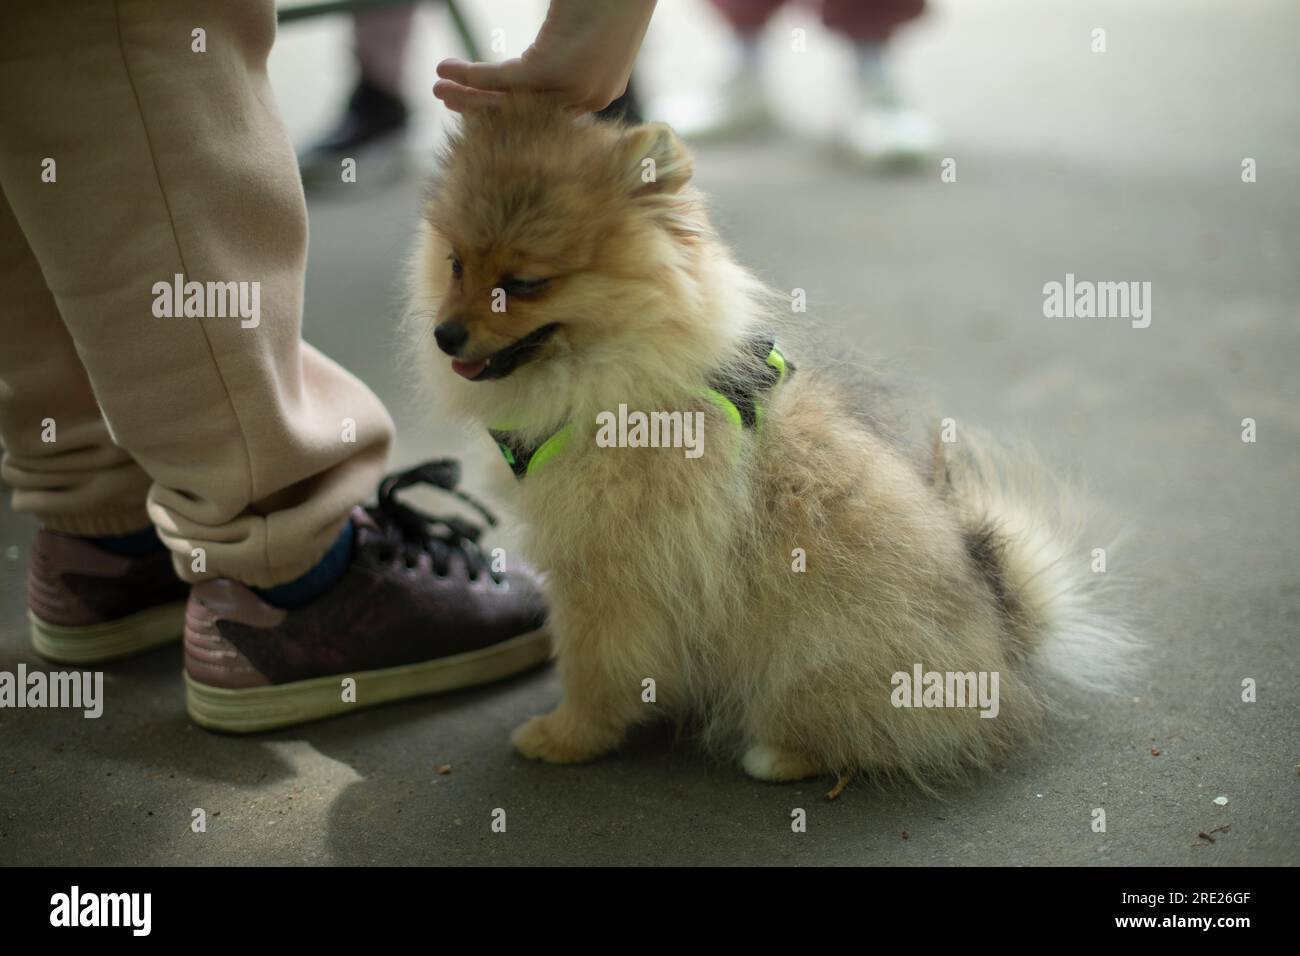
[418,611]
[88,605]
[369,131]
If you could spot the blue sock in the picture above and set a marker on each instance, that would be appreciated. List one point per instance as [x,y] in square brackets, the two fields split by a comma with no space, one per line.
[303,590]
[133,545]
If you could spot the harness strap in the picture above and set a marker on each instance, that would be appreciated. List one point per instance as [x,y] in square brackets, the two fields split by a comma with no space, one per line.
[737,395]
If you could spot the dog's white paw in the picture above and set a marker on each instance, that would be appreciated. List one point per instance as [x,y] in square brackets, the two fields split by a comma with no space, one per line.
[767,763]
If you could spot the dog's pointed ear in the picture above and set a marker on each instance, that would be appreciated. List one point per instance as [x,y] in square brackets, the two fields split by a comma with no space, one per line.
[658,162]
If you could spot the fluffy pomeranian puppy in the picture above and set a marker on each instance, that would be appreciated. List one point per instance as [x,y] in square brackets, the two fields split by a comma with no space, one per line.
[730,537]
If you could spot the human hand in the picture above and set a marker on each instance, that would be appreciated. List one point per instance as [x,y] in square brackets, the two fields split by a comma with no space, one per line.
[583,54]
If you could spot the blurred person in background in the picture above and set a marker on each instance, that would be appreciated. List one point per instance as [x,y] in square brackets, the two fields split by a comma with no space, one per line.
[878,129]
[375,117]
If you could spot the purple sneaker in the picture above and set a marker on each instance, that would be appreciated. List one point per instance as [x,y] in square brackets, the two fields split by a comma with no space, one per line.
[87,605]
[418,611]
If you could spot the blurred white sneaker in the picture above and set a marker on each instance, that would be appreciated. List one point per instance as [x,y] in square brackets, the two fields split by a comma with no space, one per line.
[886,133]
[882,131]
[736,108]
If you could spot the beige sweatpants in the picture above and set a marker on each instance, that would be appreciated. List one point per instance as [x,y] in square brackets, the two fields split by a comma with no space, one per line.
[127,158]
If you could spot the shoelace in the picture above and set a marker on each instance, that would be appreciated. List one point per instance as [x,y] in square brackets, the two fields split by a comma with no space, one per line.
[413,532]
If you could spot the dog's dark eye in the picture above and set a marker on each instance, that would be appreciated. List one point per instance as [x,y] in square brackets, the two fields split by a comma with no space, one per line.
[515,286]
[456,268]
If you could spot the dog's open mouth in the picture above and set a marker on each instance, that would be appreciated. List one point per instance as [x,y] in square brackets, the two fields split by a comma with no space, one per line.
[504,361]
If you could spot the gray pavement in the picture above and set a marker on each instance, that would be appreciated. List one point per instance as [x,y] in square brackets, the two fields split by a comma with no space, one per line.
[1121,166]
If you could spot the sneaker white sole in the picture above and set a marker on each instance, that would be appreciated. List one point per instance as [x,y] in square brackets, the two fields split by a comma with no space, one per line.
[256,709]
[111,640]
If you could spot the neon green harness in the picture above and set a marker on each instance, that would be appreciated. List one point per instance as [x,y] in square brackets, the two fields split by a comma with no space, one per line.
[741,405]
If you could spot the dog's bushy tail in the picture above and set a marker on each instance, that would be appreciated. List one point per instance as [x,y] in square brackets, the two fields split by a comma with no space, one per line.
[1032,538]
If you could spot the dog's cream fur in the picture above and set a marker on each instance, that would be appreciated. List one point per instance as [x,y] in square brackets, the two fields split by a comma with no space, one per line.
[681,570]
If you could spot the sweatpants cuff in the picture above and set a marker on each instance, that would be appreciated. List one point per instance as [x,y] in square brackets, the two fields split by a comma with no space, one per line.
[251,560]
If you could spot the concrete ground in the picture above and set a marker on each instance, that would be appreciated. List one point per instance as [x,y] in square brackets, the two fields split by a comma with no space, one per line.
[1117,166]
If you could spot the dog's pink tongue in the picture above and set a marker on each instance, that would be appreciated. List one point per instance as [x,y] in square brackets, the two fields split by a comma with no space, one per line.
[467,369]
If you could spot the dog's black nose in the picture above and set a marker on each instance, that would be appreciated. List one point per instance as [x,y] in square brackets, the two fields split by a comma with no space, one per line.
[451,337]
